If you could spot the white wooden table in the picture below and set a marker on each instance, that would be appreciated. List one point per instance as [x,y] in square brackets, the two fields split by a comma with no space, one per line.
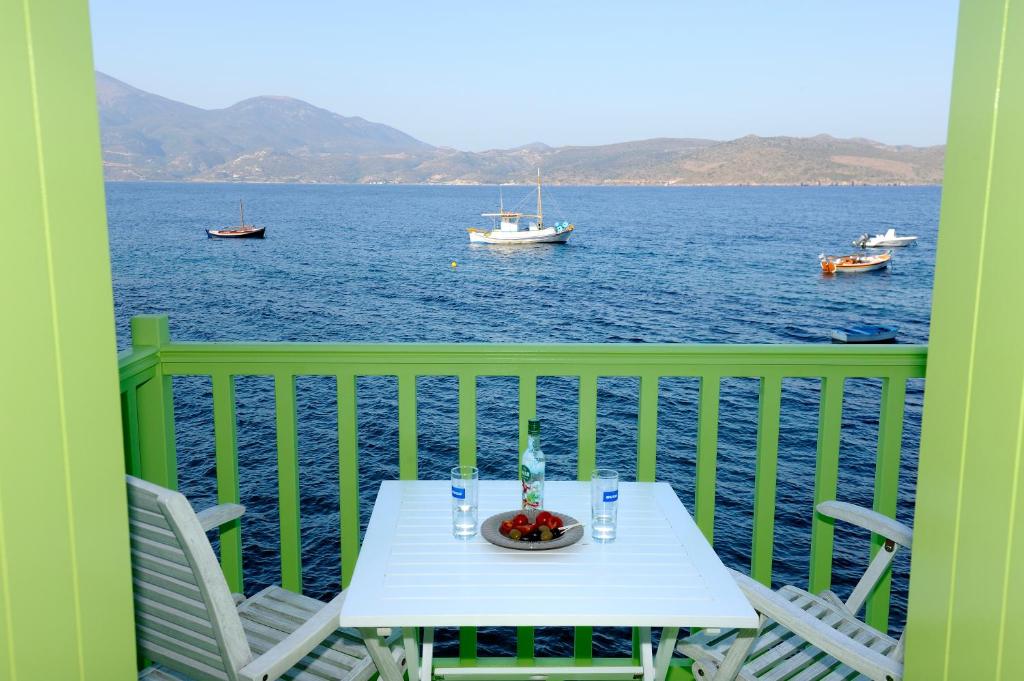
[659,572]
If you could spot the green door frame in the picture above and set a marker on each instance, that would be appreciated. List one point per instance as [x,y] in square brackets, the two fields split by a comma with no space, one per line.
[966,611]
[65,577]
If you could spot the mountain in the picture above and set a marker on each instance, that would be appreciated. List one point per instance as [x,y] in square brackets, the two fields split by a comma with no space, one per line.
[146,136]
[280,139]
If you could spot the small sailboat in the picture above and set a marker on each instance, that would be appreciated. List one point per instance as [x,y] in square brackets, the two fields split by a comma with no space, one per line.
[831,264]
[887,240]
[242,231]
[508,230]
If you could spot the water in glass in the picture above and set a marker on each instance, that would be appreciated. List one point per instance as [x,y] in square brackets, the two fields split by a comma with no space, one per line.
[465,482]
[604,504]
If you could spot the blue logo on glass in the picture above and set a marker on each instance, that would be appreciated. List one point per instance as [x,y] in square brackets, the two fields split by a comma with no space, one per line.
[611,496]
[458,492]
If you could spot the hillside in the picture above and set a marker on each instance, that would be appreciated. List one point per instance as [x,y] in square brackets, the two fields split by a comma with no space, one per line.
[280,139]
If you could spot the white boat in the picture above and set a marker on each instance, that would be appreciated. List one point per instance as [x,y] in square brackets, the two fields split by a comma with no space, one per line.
[507,229]
[887,240]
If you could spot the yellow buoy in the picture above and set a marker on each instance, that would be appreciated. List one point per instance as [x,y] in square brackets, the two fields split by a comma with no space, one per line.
[454,264]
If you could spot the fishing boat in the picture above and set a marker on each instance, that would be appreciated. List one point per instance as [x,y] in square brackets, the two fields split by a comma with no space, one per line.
[864,333]
[831,264]
[507,229]
[241,231]
[887,240]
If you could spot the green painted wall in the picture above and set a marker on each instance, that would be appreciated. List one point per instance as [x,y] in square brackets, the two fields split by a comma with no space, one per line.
[65,581]
[966,616]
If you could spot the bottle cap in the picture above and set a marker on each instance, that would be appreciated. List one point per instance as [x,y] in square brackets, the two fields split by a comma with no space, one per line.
[533,427]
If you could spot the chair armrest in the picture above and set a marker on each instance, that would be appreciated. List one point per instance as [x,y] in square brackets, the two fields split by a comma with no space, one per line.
[287,653]
[868,519]
[215,516]
[845,649]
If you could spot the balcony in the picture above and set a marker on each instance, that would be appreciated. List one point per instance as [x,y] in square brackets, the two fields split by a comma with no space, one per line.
[148,368]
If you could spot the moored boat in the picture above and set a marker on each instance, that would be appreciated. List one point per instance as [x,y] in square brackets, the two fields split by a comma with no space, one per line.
[887,240]
[864,333]
[240,231]
[509,231]
[831,264]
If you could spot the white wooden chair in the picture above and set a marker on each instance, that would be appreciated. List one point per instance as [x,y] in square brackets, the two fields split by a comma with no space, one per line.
[188,621]
[806,637]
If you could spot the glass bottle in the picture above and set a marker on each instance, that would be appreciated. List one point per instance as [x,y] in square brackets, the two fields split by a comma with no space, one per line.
[531,469]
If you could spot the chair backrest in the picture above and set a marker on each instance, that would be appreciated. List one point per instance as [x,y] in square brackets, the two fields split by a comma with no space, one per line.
[185,617]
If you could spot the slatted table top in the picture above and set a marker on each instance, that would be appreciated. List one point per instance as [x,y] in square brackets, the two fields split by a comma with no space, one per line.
[659,572]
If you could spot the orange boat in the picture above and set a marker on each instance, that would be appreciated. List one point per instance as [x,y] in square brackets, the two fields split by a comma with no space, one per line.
[831,264]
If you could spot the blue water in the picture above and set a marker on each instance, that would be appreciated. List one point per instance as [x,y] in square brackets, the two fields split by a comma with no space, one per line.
[676,265]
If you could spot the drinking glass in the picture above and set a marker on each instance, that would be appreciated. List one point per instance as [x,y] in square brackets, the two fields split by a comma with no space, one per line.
[604,504]
[465,491]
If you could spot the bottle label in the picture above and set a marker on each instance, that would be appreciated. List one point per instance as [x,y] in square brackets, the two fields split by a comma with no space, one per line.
[458,492]
[524,473]
[610,496]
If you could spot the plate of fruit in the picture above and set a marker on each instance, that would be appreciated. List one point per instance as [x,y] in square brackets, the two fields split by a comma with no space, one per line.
[531,530]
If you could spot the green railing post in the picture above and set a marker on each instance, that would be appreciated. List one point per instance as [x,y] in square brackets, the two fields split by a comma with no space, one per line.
[157,455]
[467,457]
[348,475]
[769,403]
[826,481]
[707,454]
[288,482]
[525,649]
[226,441]
[887,481]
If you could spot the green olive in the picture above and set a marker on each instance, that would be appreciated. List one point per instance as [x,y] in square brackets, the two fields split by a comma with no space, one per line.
[515,534]
[546,535]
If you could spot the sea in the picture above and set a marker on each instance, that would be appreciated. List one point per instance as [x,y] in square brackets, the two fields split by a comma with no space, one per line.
[386,263]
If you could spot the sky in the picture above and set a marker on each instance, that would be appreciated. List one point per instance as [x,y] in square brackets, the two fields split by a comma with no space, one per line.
[481,75]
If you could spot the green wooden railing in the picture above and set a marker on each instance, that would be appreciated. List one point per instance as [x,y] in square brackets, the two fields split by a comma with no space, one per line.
[147,368]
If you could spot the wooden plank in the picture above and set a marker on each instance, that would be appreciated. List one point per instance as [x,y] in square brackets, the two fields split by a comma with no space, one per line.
[887,480]
[647,429]
[407,436]
[707,454]
[348,475]
[769,408]
[288,482]
[826,481]
[226,439]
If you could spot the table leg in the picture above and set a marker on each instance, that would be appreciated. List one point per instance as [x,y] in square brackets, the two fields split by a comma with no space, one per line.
[666,647]
[737,655]
[412,652]
[427,664]
[646,654]
[377,646]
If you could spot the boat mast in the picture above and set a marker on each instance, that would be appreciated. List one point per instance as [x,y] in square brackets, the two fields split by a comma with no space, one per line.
[540,212]
[241,211]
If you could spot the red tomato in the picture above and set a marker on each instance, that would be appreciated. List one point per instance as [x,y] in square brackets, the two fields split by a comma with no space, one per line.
[506,527]
[543,517]
[555,522]
[521,519]
[525,529]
